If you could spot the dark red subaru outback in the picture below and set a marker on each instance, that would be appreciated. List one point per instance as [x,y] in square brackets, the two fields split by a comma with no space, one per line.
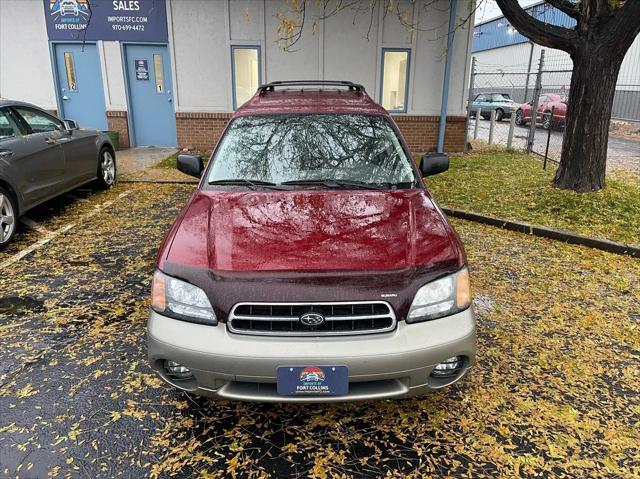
[311,263]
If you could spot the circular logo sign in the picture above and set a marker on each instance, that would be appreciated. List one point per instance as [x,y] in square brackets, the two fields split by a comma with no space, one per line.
[312,319]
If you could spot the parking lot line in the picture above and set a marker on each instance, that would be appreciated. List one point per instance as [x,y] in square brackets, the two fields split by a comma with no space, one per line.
[52,234]
[29,223]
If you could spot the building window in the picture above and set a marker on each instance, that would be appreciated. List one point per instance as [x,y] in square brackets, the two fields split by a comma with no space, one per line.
[71,71]
[158,70]
[246,73]
[395,79]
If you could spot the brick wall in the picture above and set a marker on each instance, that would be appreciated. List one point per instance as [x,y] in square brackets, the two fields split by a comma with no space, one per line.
[200,131]
[117,121]
[421,132]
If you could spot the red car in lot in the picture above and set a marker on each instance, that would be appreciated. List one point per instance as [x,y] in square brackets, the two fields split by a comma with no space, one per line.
[551,112]
[311,263]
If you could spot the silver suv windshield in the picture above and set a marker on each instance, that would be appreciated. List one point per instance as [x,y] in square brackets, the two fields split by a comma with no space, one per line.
[304,150]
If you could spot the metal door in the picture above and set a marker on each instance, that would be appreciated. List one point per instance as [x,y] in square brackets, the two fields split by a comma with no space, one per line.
[80,90]
[150,95]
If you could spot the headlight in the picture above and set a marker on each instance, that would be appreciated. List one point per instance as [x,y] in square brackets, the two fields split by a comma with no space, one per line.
[178,299]
[441,297]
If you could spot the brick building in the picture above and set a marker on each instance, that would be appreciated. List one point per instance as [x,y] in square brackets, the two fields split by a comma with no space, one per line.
[171,72]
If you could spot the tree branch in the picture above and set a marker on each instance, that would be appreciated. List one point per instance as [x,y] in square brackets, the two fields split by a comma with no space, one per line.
[600,9]
[566,6]
[626,24]
[540,32]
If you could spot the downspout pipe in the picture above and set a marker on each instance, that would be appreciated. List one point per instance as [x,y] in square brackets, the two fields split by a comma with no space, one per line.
[447,75]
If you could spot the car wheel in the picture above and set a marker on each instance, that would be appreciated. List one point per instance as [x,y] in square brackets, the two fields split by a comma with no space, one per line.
[8,219]
[106,168]
[546,123]
[520,118]
[499,114]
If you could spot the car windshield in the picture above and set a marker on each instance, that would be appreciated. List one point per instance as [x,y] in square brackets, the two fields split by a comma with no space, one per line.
[327,150]
[501,97]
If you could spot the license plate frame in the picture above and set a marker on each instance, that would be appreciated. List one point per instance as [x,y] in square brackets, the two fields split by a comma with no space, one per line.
[331,380]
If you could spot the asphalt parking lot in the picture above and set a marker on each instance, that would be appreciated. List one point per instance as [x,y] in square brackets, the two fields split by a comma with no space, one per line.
[555,393]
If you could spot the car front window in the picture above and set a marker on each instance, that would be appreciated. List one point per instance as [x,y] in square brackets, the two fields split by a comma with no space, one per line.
[501,97]
[39,122]
[291,148]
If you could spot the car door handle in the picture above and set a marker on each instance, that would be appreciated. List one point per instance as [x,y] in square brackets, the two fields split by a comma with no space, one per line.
[6,153]
[65,97]
[51,141]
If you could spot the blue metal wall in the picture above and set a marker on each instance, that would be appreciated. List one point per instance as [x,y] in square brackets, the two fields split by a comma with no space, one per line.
[499,33]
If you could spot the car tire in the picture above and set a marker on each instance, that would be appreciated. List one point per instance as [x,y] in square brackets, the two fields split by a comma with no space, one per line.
[520,121]
[106,168]
[546,121]
[8,217]
[499,114]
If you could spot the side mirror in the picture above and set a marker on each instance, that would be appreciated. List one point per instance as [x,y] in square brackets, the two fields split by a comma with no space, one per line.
[191,165]
[434,163]
[70,125]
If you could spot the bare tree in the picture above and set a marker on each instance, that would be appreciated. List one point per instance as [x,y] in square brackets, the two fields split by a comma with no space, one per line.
[604,31]
[296,15]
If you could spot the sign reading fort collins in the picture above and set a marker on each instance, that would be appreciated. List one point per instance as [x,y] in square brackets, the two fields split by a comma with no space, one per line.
[126,20]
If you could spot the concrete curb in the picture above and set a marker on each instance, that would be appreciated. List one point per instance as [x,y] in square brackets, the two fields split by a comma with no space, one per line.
[550,233]
[167,182]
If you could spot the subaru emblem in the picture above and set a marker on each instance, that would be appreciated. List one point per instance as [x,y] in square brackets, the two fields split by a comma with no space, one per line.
[312,319]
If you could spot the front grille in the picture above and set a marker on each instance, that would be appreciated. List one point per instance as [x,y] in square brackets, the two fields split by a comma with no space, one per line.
[283,319]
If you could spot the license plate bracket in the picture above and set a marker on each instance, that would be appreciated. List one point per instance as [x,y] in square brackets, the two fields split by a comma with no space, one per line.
[330,380]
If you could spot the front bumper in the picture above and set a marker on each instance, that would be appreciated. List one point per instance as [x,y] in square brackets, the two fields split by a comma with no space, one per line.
[241,367]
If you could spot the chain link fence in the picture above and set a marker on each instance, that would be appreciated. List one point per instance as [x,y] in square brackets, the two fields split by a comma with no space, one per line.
[526,110]
[494,99]
[552,93]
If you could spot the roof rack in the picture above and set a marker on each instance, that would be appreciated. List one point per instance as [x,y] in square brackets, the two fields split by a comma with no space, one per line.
[277,84]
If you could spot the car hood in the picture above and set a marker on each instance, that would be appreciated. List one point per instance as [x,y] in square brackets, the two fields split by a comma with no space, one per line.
[309,231]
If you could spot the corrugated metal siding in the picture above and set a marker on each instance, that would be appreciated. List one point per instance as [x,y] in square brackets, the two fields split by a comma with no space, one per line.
[629,76]
[499,33]
[507,58]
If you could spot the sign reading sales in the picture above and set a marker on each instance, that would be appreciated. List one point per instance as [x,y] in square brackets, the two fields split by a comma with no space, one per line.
[126,20]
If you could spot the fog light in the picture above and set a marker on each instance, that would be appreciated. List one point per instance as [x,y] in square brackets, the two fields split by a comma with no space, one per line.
[446,369]
[176,370]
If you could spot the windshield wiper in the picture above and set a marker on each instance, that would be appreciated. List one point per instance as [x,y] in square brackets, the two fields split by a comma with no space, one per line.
[333,183]
[252,184]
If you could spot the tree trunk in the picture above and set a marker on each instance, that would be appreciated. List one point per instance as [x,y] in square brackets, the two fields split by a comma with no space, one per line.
[586,136]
